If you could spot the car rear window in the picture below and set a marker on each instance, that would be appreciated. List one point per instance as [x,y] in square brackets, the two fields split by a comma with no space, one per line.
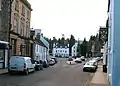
[70,59]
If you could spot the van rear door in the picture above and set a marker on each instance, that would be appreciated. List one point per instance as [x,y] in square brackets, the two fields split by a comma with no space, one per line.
[17,62]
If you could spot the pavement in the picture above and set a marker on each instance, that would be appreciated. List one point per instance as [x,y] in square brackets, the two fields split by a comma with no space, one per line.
[61,74]
[99,78]
[3,71]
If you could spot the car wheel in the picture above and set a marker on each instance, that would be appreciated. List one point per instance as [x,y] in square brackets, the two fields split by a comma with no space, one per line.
[38,68]
[41,68]
[10,72]
[84,69]
[26,72]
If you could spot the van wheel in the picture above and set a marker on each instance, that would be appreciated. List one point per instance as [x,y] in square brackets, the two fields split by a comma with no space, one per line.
[26,72]
[10,73]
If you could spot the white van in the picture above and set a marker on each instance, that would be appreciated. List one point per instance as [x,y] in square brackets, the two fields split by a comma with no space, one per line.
[21,64]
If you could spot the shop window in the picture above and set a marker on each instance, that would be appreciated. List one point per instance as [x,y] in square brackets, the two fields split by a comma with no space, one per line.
[1,55]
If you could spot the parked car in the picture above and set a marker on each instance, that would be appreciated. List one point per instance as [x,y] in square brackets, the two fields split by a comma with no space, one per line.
[78,60]
[45,64]
[21,64]
[82,58]
[55,59]
[38,65]
[90,66]
[71,61]
[52,62]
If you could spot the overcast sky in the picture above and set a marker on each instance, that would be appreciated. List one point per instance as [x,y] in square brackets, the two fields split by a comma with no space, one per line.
[81,18]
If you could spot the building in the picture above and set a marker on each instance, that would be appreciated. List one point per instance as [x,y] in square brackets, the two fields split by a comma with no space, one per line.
[20,28]
[60,50]
[4,32]
[114,43]
[74,49]
[40,47]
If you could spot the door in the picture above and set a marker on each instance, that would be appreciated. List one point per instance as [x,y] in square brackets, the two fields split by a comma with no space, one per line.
[1,58]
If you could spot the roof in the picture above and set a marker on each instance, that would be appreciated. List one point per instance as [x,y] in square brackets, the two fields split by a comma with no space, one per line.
[27,4]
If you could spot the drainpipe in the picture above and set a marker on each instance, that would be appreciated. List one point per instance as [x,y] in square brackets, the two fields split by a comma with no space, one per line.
[9,28]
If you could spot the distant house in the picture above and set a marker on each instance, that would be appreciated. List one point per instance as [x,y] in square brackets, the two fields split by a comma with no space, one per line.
[60,50]
[74,49]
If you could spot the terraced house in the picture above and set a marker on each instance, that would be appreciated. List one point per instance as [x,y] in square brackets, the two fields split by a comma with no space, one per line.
[20,28]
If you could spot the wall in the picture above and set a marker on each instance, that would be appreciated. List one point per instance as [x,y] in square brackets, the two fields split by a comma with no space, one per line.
[74,48]
[60,49]
[114,44]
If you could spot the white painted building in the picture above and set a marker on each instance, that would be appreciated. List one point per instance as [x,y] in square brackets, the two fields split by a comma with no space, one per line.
[41,47]
[61,51]
[40,52]
[74,49]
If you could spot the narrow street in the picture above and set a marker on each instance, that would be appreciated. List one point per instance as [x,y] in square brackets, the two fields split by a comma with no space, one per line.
[60,74]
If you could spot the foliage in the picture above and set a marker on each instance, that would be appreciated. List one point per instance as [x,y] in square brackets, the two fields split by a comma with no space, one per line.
[71,43]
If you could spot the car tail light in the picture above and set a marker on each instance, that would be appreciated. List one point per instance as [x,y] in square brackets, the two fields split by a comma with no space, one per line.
[24,65]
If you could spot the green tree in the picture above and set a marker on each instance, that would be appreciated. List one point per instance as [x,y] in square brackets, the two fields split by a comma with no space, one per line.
[83,47]
[71,43]
[78,49]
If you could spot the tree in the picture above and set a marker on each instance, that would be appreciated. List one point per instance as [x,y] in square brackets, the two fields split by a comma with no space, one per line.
[62,41]
[83,47]
[71,43]
[54,40]
[78,49]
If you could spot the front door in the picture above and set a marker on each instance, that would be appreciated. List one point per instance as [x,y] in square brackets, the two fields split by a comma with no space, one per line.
[2,58]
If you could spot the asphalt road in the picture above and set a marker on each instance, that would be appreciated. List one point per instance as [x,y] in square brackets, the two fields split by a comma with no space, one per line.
[60,74]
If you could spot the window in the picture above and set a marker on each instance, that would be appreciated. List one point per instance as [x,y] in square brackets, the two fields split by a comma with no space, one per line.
[22,26]
[1,55]
[27,30]
[23,10]
[65,51]
[61,51]
[15,23]
[56,51]
[37,48]
[28,14]
[0,4]
[17,5]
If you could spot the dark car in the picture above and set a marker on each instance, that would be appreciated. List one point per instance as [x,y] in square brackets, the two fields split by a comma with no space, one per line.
[38,65]
[45,64]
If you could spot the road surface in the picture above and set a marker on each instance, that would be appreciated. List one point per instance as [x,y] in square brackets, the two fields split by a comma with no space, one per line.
[60,74]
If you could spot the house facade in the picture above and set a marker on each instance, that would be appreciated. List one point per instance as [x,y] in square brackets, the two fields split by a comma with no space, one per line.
[74,49]
[4,32]
[40,46]
[114,43]
[60,50]
[20,28]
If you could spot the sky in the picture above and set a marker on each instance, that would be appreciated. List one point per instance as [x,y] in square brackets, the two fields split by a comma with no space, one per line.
[81,18]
